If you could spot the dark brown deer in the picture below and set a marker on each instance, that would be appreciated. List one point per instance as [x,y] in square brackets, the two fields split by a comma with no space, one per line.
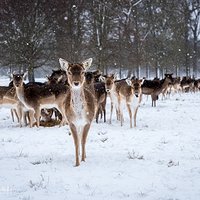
[34,98]
[98,89]
[57,76]
[155,87]
[80,105]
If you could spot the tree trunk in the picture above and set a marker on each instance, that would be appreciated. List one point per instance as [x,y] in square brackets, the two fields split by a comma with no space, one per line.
[31,76]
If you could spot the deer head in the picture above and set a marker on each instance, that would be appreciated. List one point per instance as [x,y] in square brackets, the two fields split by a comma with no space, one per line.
[18,79]
[136,84]
[75,72]
[169,77]
[109,81]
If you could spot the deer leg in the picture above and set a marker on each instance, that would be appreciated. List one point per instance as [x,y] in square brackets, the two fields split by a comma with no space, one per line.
[31,116]
[120,114]
[12,115]
[111,111]
[19,114]
[135,115]
[104,113]
[130,113]
[62,111]
[25,116]
[97,115]
[83,141]
[76,143]
[37,116]
[13,111]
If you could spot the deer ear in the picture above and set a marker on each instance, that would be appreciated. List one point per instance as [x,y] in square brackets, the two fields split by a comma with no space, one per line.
[25,75]
[87,63]
[128,81]
[11,76]
[115,76]
[102,78]
[63,64]
[142,81]
[48,77]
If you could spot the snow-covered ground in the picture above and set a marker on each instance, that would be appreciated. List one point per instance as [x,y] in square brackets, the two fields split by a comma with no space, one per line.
[157,160]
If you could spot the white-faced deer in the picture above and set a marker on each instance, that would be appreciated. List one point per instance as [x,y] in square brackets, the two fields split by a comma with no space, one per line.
[137,90]
[155,87]
[34,98]
[110,87]
[9,99]
[79,105]
[126,91]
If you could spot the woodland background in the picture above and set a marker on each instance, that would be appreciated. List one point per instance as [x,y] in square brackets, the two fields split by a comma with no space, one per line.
[136,37]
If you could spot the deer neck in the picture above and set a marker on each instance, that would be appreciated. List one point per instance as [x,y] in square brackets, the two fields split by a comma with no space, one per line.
[77,100]
[165,83]
[21,95]
[113,94]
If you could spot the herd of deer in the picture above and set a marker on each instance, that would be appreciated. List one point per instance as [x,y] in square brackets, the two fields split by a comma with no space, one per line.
[76,96]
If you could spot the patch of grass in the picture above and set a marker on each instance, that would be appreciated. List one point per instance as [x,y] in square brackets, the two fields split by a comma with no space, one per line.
[104,139]
[133,155]
[44,161]
[40,184]
[171,163]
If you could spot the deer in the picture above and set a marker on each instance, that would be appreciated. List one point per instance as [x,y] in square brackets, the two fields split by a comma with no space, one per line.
[57,76]
[98,90]
[155,87]
[123,90]
[11,100]
[8,99]
[34,98]
[137,90]
[80,105]
[110,88]
[101,96]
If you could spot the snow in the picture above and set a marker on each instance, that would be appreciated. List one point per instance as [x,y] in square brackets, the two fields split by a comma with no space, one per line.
[157,160]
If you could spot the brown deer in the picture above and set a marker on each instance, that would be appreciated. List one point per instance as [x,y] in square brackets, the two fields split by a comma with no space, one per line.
[124,90]
[98,89]
[110,88]
[79,104]
[137,90]
[34,98]
[9,99]
[155,87]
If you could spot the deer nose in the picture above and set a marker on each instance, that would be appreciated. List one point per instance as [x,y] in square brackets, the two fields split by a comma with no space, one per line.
[76,83]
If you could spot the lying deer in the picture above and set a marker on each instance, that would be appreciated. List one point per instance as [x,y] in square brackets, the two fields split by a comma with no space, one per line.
[79,104]
[34,98]
[155,87]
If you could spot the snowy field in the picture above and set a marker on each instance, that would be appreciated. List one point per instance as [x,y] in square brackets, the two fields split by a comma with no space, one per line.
[157,160]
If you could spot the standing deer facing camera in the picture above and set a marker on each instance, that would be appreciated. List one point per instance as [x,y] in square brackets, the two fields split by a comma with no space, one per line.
[80,104]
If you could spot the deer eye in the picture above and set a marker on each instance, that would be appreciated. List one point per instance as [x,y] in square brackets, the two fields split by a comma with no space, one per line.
[82,73]
[69,73]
